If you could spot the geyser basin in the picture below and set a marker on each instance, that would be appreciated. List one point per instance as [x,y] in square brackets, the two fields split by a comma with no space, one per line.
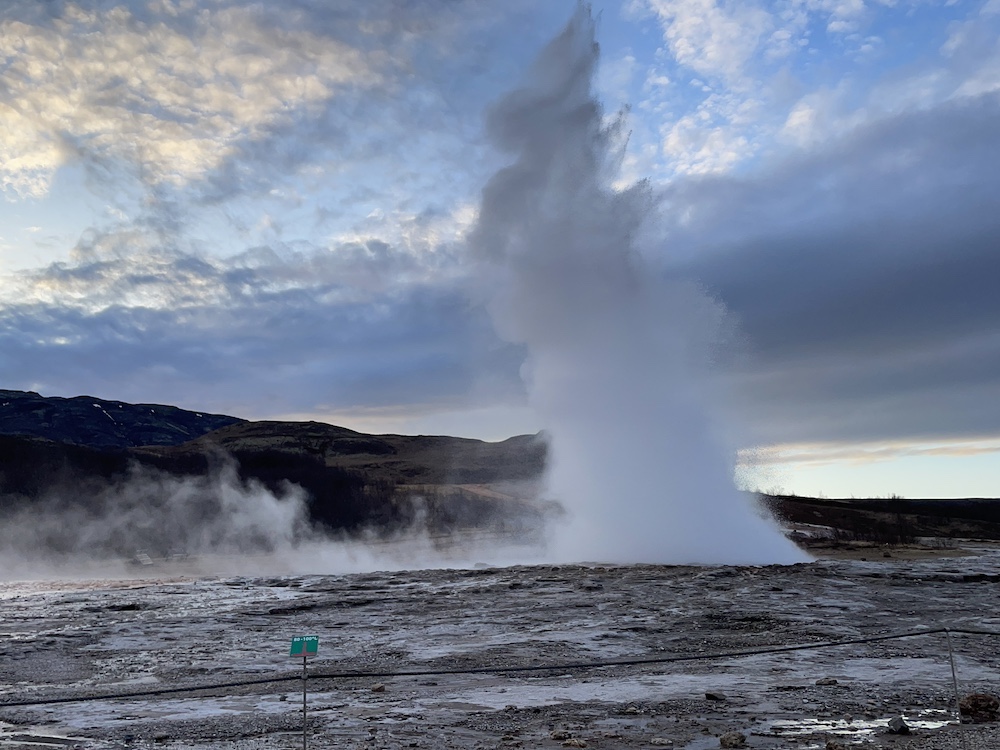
[101,637]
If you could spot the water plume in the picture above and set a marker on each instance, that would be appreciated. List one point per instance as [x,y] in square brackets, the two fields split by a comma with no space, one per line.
[617,355]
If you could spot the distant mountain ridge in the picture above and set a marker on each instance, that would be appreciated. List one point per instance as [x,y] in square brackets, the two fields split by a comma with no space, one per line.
[398,459]
[95,422]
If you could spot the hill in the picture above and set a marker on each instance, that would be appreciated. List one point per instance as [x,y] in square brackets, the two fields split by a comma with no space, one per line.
[94,422]
[358,480]
[400,459]
[893,520]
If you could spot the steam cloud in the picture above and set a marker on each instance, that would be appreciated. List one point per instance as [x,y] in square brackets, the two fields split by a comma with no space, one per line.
[214,523]
[616,355]
[156,513]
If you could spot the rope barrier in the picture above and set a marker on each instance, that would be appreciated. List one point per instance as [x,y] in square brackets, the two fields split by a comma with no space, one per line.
[559,667]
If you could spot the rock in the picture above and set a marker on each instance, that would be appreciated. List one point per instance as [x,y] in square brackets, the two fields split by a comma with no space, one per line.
[733,739]
[378,687]
[715,696]
[574,742]
[979,708]
[661,742]
[826,681]
[898,726]
[559,734]
[834,745]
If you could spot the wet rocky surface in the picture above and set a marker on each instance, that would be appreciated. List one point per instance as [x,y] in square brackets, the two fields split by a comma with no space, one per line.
[83,638]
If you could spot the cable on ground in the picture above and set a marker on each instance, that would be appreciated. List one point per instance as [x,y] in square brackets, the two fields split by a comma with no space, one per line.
[563,667]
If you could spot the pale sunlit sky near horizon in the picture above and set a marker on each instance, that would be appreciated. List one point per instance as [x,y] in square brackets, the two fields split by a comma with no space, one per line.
[261,209]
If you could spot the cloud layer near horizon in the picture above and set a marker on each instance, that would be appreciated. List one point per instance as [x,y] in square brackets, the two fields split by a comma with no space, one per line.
[851,229]
[862,277]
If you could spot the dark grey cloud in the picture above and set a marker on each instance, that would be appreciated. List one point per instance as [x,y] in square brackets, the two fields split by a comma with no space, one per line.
[254,335]
[864,276]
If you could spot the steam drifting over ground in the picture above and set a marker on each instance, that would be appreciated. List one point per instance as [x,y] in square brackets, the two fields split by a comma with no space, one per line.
[156,514]
[149,521]
[616,355]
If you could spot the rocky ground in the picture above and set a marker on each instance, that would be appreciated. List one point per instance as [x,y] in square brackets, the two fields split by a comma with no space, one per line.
[87,637]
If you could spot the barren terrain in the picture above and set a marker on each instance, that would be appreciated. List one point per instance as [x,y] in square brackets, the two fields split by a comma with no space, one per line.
[174,627]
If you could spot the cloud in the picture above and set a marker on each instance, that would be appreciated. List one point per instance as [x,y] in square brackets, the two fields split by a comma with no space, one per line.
[713,38]
[215,98]
[155,83]
[862,277]
[272,330]
[834,454]
[738,82]
[288,123]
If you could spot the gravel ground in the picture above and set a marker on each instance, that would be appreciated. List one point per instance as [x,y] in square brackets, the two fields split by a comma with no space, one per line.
[66,638]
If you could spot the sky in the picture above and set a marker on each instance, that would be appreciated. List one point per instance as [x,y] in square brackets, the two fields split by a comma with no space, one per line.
[264,209]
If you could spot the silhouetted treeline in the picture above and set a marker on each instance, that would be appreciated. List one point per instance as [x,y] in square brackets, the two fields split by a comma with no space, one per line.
[894,519]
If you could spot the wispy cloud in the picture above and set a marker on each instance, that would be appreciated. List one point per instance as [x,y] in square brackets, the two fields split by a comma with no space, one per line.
[735,82]
[832,454]
[156,84]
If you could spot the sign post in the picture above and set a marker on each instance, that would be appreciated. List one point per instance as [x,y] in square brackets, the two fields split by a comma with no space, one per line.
[304,646]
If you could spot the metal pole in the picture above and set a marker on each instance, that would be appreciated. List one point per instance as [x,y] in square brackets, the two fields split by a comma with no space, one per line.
[954,684]
[305,736]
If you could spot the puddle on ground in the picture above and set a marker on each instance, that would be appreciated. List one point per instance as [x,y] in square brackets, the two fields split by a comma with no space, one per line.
[17,737]
[854,730]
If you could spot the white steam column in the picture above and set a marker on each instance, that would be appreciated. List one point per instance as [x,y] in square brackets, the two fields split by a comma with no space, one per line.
[617,356]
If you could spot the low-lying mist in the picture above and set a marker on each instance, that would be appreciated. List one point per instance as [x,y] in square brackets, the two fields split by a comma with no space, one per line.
[154,514]
[150,522]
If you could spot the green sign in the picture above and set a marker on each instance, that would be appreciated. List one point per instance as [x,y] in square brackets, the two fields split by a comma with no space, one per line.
[304,645]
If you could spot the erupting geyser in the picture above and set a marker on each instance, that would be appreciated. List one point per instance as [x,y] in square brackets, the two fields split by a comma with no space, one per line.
[616,354]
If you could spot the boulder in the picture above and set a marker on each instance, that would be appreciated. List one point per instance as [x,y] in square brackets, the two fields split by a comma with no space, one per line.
[979,708]
[898,726]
